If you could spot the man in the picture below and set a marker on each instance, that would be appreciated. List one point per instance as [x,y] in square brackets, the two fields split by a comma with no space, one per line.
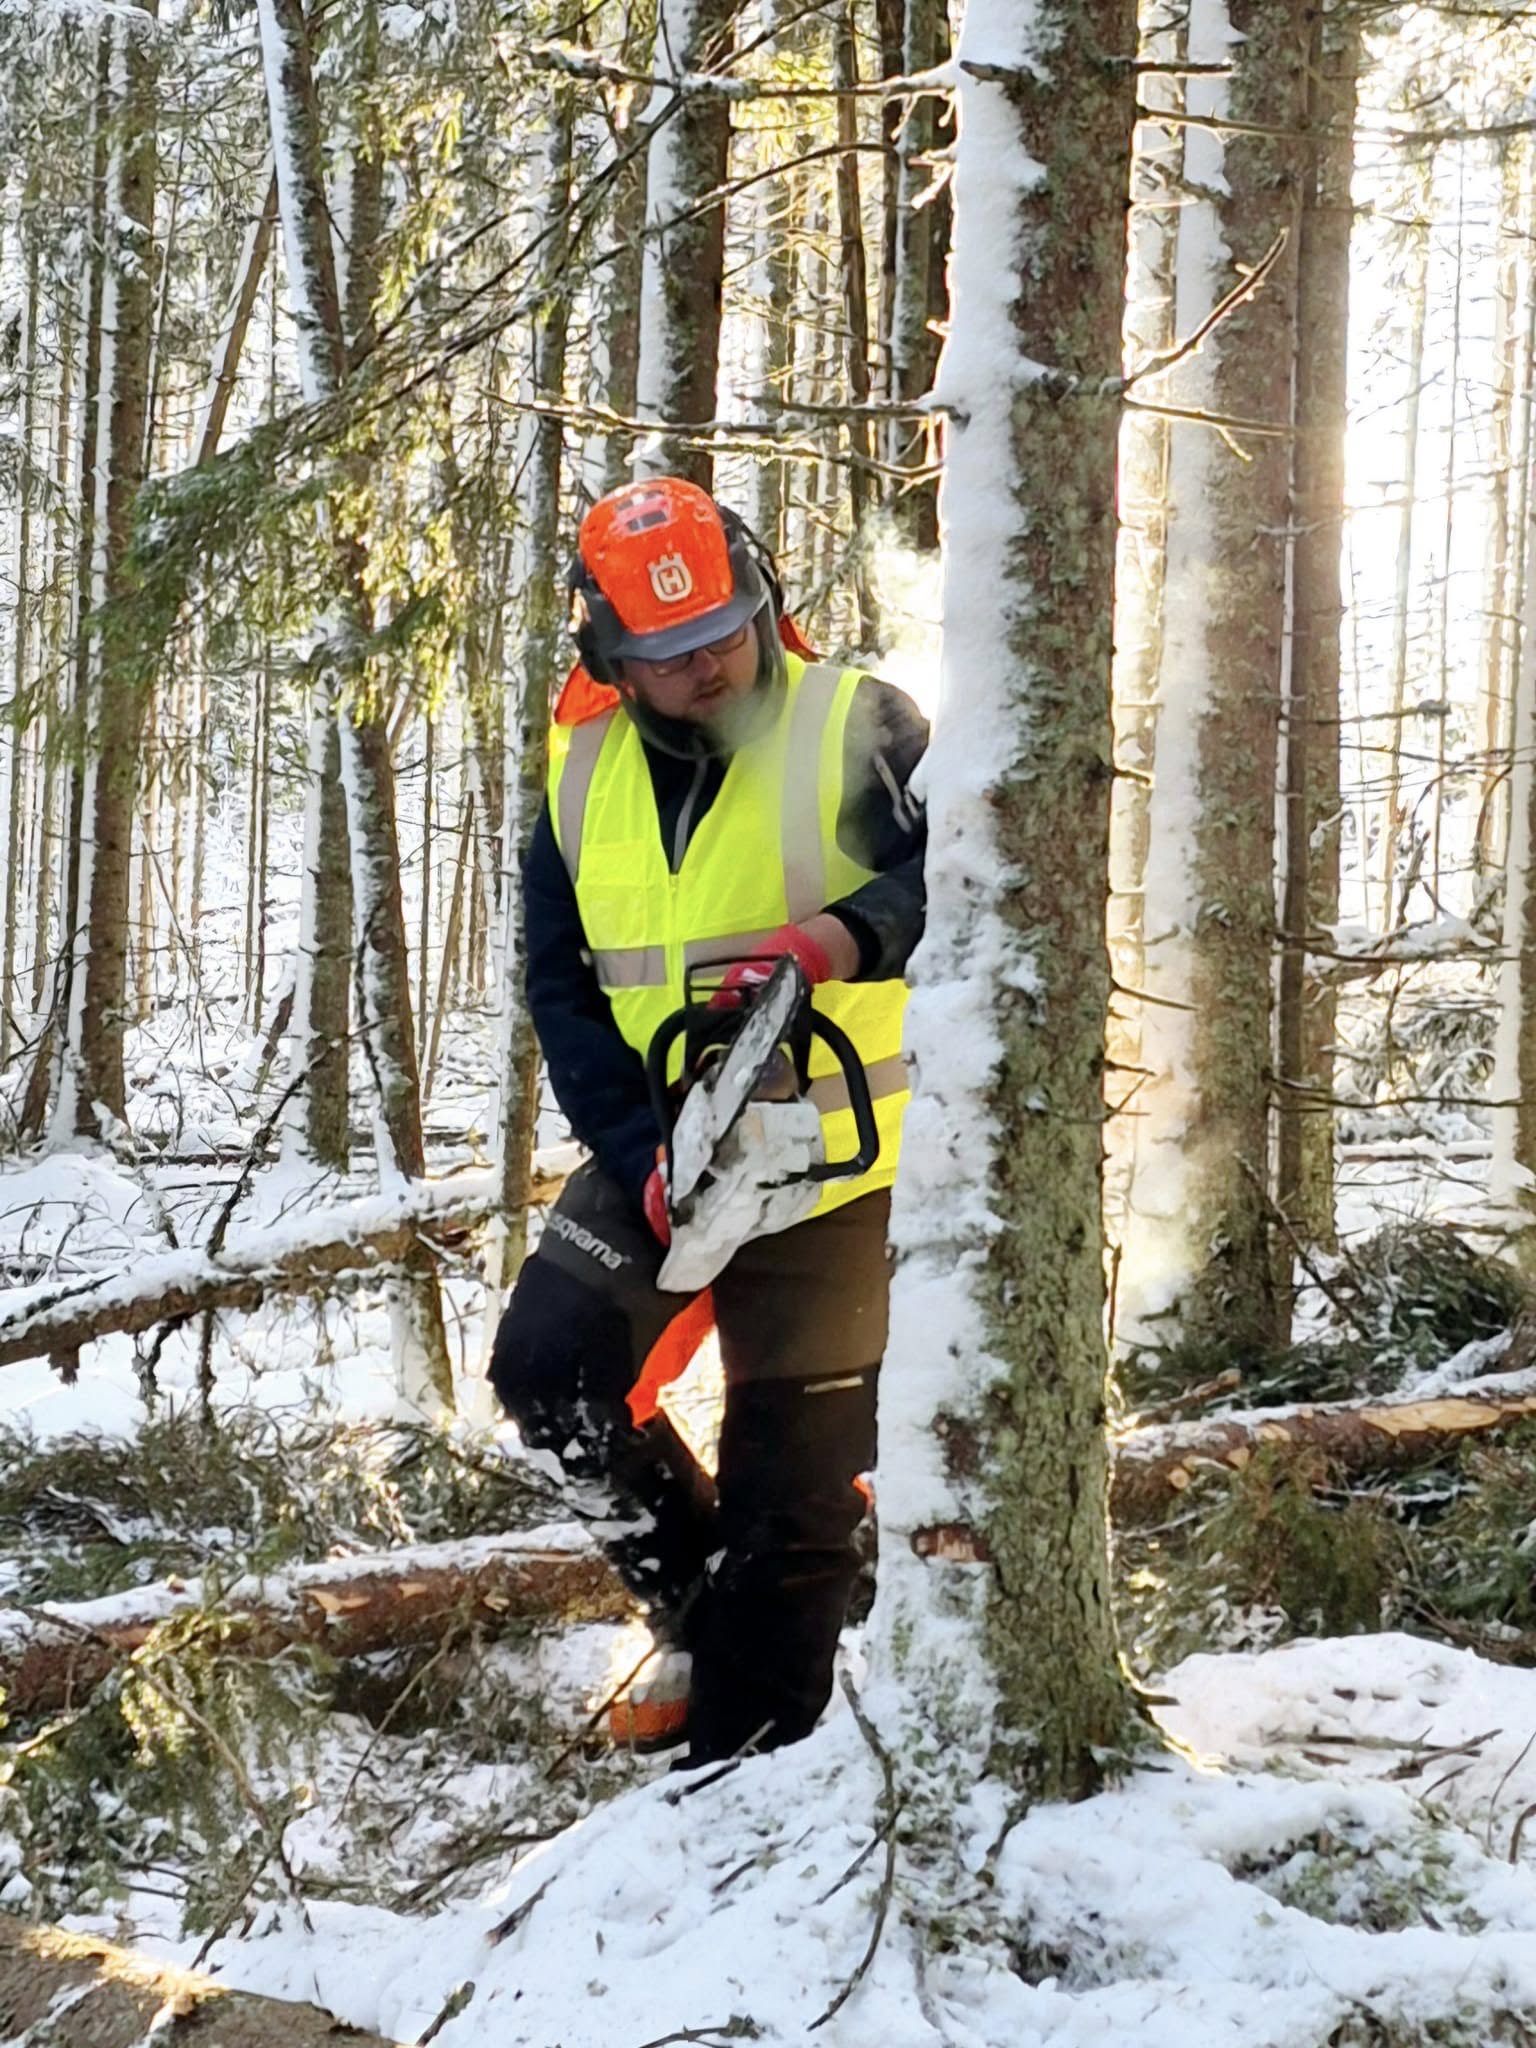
[715,801]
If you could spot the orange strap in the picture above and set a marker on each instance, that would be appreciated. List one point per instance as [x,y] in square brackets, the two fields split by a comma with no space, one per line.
[671,1355]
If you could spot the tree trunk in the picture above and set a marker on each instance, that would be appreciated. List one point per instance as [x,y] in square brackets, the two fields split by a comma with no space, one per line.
[347,1607]
[249,266]
[615,358]
[1512,1174]
[684,270]
[994,1470]
[118,683]
[855,282]
[1154,1466]
[367,775]
[1140,564]
[537,665]
[913,347]
[16,727]
[1198,1239]
[773,289]
[1314,803]
[61,1990]
[1416,291]
[63,1000]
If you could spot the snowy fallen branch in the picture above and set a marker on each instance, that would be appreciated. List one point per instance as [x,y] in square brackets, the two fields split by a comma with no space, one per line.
[116,1999]
[53,1655]
[298,1256]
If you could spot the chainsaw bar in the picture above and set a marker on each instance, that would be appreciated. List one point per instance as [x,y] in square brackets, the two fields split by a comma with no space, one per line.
[714,1103]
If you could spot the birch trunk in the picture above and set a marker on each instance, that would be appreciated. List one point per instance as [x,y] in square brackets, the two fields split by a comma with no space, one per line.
[684,272]
[118,683]
[1198,1245]
[994,1640]
[1307,1006]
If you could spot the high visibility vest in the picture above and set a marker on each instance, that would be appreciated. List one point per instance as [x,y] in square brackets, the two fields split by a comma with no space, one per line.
[765,854]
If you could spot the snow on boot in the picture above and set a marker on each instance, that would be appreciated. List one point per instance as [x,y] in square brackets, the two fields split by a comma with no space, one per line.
[653,1713]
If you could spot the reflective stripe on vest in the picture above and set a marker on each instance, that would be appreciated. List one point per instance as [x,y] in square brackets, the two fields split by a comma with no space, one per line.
[646,927]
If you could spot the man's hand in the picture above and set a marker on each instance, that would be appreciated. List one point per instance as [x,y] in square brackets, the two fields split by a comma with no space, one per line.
[823,945]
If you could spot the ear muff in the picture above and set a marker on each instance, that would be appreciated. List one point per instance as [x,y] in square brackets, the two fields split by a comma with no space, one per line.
[591,615]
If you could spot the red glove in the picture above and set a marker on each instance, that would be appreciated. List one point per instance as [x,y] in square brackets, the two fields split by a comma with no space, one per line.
[654,1202]
[748,975]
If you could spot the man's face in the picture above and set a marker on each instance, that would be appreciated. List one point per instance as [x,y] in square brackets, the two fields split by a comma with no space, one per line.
[701,687]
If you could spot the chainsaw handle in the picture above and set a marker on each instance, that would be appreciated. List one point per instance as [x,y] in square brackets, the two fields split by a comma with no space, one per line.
[845,1052]
[710,1027]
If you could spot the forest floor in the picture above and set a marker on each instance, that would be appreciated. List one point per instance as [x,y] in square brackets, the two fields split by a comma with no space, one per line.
[1337,1846]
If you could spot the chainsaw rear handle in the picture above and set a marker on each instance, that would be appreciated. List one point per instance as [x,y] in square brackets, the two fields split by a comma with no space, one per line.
[718,1027]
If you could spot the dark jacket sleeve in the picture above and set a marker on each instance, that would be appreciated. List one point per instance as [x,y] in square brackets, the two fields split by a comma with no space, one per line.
[882,826]
[597,1076]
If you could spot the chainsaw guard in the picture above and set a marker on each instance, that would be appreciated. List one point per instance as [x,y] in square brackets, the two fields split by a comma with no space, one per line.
[756,1186]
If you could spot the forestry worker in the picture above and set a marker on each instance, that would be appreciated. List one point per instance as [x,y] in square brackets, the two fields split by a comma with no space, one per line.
[717,798]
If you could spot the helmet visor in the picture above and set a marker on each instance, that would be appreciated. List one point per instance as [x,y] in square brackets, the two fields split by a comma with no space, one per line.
[719,623]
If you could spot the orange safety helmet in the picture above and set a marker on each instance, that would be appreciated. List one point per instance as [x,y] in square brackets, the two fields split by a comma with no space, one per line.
[660,570]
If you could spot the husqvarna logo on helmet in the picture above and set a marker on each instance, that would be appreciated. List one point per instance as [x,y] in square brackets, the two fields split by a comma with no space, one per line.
[671,578]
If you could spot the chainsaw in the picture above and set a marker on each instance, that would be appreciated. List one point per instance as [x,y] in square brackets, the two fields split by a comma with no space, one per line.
[745,1153]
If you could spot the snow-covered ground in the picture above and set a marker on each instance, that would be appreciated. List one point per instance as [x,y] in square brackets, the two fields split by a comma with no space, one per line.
[1341,1840]
[1339,1835]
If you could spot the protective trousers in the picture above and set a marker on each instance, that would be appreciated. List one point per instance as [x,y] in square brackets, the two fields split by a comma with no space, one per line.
[750,1571]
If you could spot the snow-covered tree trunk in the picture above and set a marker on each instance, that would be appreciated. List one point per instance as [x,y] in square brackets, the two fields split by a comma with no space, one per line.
[618,280]
[367,773]
[1141,558]
[538,662]
[684,271]
[13,737]
[53,1064]
[1309,906]
[118,689]
[1198,1230]
[994,1641]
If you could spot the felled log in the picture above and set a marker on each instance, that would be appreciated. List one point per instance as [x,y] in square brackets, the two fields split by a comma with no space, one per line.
[61,1990]
[296,1256]
[51,1656]
[1153,1466]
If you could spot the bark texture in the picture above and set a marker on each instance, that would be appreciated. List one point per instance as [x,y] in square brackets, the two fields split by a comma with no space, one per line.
[350,1607]
[994,1529]
[61,1990]
[685,240]
[1154,1466]
[119,691]
[1202,1211]
[1313,799]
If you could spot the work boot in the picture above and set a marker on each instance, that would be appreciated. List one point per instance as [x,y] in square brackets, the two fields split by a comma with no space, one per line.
[653,1713]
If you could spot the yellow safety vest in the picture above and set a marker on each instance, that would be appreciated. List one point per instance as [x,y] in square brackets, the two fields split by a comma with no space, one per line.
[765,854]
